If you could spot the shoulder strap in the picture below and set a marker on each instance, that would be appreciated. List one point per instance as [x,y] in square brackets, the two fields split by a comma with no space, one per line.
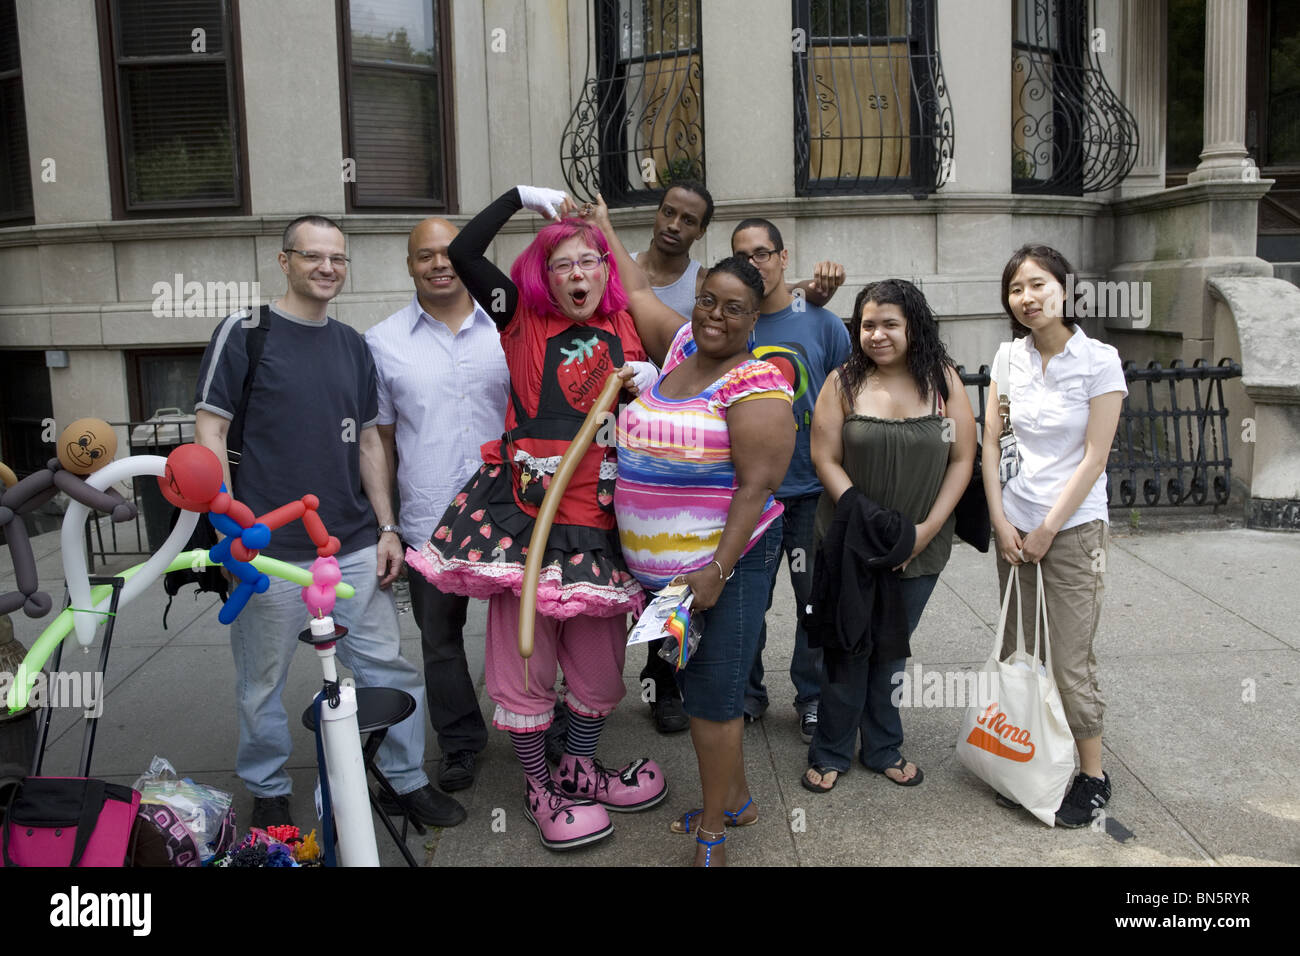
[1002,368]
[254,343]
[1001,372]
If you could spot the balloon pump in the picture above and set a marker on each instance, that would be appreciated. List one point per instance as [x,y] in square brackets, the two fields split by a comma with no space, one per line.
[345,768]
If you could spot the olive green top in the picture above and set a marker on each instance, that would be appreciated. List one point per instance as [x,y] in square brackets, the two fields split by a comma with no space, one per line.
[898,464]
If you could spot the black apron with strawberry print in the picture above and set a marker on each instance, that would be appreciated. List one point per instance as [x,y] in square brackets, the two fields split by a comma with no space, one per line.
[480,544]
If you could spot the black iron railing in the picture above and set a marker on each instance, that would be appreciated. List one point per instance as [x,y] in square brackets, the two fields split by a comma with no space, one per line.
[1171,447]
[871,109]
[1169,444]
[1070,134]
[638,125]
[143,536]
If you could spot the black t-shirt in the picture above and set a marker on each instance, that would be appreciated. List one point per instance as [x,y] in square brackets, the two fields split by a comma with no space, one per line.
[313,393]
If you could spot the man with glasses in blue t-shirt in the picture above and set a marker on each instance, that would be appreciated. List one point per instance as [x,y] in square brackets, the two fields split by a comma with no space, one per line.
[806,342]
[309,427]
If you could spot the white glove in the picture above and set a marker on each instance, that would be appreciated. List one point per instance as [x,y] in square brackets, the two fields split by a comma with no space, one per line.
[644,375]
[539,199]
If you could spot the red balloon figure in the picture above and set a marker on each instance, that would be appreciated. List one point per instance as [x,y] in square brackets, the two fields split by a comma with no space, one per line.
[192,481]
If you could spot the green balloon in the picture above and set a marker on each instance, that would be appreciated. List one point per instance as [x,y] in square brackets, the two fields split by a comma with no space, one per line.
[61,626]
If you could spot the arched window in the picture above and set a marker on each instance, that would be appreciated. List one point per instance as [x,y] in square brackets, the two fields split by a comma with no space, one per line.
[639,122]
[1070,134]
[871,112]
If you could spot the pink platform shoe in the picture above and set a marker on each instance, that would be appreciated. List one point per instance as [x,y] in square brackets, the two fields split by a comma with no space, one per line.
[562,821]
[638,786]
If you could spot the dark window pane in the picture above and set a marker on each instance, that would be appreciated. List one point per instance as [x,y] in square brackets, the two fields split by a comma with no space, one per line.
[8,36]
[1183,123]
[24,403]
[396,137]
[1284,86]
[166,27]
[178,141]
[15,171]
[394,31]
[167,381]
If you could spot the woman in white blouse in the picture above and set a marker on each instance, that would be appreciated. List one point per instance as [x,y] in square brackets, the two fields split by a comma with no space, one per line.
[1066,391]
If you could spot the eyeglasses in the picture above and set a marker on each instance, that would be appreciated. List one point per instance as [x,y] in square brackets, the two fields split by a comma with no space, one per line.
[314,259]
[732,310]
[759,256]
[562,267]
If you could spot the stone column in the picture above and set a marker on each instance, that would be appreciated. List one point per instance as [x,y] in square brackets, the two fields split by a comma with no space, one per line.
[1145,70]
[1224,156]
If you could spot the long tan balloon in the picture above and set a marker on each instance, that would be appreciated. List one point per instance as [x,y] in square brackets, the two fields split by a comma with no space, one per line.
[546,514]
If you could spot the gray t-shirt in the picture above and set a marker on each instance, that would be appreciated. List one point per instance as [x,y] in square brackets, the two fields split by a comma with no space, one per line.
[313,392]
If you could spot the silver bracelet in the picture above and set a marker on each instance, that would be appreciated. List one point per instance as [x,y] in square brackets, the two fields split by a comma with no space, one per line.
[720,574]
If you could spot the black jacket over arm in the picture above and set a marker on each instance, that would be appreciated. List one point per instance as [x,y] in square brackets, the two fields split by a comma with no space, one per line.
[857,604]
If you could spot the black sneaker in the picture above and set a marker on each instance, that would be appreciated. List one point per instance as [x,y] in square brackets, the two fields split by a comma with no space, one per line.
[1086,796]
[270,812]
[557,735]
[426,805]
[808,726]
[456,770]
[668,715]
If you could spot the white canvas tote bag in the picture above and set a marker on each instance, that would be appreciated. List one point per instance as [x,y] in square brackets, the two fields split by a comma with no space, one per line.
[1015,737]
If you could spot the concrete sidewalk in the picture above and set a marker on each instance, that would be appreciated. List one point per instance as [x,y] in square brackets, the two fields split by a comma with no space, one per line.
[1199,653]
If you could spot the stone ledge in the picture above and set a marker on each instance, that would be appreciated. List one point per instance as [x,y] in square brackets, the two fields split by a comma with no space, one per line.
[129,230]
[1274,514]
[1191,194]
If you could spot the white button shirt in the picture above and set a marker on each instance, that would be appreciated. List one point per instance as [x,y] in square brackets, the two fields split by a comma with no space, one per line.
[447,394]
[1049,414]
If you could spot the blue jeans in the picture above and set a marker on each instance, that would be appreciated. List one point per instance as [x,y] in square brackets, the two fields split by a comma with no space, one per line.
[713,681]
[806,662]
[264,639]
[863,702]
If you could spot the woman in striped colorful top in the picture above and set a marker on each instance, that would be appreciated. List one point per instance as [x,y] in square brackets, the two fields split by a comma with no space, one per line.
[700,455]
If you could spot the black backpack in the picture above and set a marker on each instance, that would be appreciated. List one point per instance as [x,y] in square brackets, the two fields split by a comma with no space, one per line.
[204,535]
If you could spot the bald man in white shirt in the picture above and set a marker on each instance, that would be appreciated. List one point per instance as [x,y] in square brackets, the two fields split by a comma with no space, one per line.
[443,389]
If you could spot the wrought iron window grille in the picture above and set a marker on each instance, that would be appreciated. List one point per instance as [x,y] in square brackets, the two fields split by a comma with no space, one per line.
[1170,443]
[1070,134]
[871,107]
[638,124]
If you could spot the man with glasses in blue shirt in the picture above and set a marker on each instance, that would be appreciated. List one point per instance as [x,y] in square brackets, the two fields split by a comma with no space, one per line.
[309,427]
[806,342]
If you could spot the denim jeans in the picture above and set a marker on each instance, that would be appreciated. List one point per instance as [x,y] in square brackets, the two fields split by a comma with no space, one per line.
[264,639]
[713,681]
[806,662]
[863,702]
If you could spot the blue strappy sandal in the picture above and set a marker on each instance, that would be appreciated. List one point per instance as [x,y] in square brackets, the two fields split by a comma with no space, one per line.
[709,844]
[683,826]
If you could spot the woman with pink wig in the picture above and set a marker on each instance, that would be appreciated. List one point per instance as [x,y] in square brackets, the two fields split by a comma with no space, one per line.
[562,315]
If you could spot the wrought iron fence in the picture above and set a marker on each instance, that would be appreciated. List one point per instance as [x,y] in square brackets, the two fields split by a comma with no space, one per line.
[1070,134]
[871,109]
[638,125]
[1171,448]
[143,536]
[1164,445]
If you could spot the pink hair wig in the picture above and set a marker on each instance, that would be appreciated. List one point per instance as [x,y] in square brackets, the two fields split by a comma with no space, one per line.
[529,271]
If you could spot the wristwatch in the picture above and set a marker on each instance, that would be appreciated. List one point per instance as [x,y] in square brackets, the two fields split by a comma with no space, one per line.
[389,527]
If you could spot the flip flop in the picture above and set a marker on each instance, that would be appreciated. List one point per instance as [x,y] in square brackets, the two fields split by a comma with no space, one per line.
[900,767]
[821,772]
[687,822]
